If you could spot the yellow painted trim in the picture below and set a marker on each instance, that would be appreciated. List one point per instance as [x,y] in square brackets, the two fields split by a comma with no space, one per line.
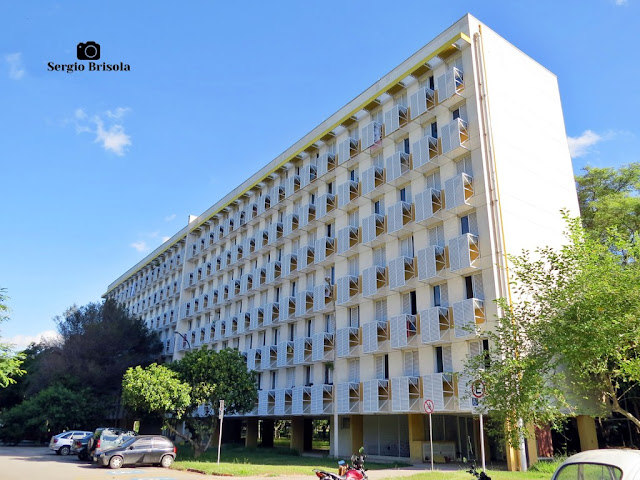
[435,53]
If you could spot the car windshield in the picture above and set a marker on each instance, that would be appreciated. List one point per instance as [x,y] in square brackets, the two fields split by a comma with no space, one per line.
[110,440]
[128,442]
[589,471]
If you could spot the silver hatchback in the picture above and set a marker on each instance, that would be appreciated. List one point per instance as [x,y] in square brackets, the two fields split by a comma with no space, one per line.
[608,464]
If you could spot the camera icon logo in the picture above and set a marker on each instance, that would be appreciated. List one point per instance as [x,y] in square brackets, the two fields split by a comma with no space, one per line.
[89,51]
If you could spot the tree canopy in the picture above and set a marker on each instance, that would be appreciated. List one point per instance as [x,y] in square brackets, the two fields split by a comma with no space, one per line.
[10,362]
[571,341]
[178,391]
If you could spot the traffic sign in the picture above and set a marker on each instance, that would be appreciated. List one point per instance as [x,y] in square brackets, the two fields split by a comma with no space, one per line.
[429,406]
[478,389]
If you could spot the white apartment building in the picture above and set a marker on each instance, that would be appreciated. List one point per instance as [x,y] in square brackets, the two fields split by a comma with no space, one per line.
[357,270]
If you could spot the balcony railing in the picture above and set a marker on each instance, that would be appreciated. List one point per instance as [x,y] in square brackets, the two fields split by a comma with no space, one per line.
[376,396]
[348,192]
[455,138]
[371,135]
[468,315]
[395,120]
[399,215]
[347,150]
[404,331]
[435,325]
[348,288]
[449,87]
[401,271]
[405,394]
[423,102]
[348,342]
[348,397]
[374,281]
[464,253]
[285,353]
[439,387]
[432,262]
[303,351]
[372,179]
[373,228]
[322,347]
[458,192]
[375,336]
[321,399]
[348,238]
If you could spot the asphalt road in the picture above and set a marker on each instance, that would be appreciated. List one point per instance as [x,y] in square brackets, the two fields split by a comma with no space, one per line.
[36,463]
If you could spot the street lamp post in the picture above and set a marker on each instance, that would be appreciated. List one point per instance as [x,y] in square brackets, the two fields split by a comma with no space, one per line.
[184,337]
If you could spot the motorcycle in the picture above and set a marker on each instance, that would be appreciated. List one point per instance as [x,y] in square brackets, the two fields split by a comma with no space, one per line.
[355,471]
[479,475]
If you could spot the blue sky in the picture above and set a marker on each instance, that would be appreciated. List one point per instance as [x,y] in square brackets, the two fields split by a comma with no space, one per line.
[97,168]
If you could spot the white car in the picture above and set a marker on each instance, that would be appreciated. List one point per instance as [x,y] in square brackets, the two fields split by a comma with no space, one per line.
[61,443]
[608,464]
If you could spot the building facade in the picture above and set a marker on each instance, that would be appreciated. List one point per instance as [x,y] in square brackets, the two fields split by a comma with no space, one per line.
[357,271]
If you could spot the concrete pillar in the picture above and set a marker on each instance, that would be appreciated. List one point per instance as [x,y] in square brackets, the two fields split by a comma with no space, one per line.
[297,434]
[252,433]
[357,435]
[267,432]
[416,436]
[231,430]
[532,445]
[513,459]
[587,432]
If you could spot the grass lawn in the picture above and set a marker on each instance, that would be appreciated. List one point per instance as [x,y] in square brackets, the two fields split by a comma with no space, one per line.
[242,462]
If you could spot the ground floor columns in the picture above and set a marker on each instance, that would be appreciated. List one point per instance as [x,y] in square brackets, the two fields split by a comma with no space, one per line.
[587,432]
[532,445]
[302,434]
[357,436]
[252,433]
[266,432]
[416,436]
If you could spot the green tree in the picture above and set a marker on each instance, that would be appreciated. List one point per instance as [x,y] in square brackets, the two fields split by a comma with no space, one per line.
[202,377]
[51,411]
[10,362]
[608,198]
[576,326]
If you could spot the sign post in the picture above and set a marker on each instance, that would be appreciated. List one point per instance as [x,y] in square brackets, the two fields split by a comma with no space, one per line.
[429,407]
[478,391]
[221,417]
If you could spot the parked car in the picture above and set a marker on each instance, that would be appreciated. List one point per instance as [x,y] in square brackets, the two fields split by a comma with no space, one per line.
[79,446]
[139,450]
[611,464]
[61,443]
[105,438]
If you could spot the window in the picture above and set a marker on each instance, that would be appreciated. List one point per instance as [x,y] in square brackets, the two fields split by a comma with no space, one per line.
[353,175]
[434,129]
[293,289]
[378,206]
[473,286]
[469,224]
[354,370]
[330,230]
[308,376]
[439,360]
[381,310]
[382,367]
[409,303]
[329,323]
[330,187]
[274,376]
[464,224]
[292,331]
[354,317]
[328,374]
[403,146]
[309,327]
[275,334]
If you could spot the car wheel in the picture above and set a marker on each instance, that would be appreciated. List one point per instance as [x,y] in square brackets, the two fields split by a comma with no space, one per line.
[57,452]
[115,462]
[64,450]
[166,461]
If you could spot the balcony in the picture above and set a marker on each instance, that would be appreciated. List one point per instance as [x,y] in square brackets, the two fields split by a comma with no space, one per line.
[251,212]
[435,326]
[348,342]
[277,194]
[321,399]
[284,401]
[395,122]
[462,390]
[432,262]
[245,322]
[348,397]
[291,224]
[375,336]
[249,247]
[289,264]
[468,315]
[423,104]
[404,331]
[257,317]
[372,180]
[398,168]
[302,351]
[259,278]
[291,186]
[264,203]
[401,271]
[269,357]
[276,230]
[348,288]
[266,402]
[307,217]
[304,304]
[322,298]
[399,215]
[287,309]
[324,248]
[301,400]
[274,269]
[325,163]
[464,253]
[254,359]
[305,258]
[347,193]
[449,87]
[371,136]
[246,283]
[373,229]
[405,394]
[348,239]
[458,191]
[454,138]
[322,347]
[308,174]
[326,206]
[375,396]
[428,207]
[347,150]
[425,154]
[221,329]
[374,282]
[285,354]
[439,388]
[271,314]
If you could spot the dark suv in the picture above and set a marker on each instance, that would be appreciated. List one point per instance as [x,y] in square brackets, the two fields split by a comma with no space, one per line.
[105,438]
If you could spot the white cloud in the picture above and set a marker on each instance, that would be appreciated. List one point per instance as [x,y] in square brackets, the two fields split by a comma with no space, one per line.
[580,146]
[140,246]
[112,137]
[16,68]
[169,218]
[164,239]
[622,2]
[20,342]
